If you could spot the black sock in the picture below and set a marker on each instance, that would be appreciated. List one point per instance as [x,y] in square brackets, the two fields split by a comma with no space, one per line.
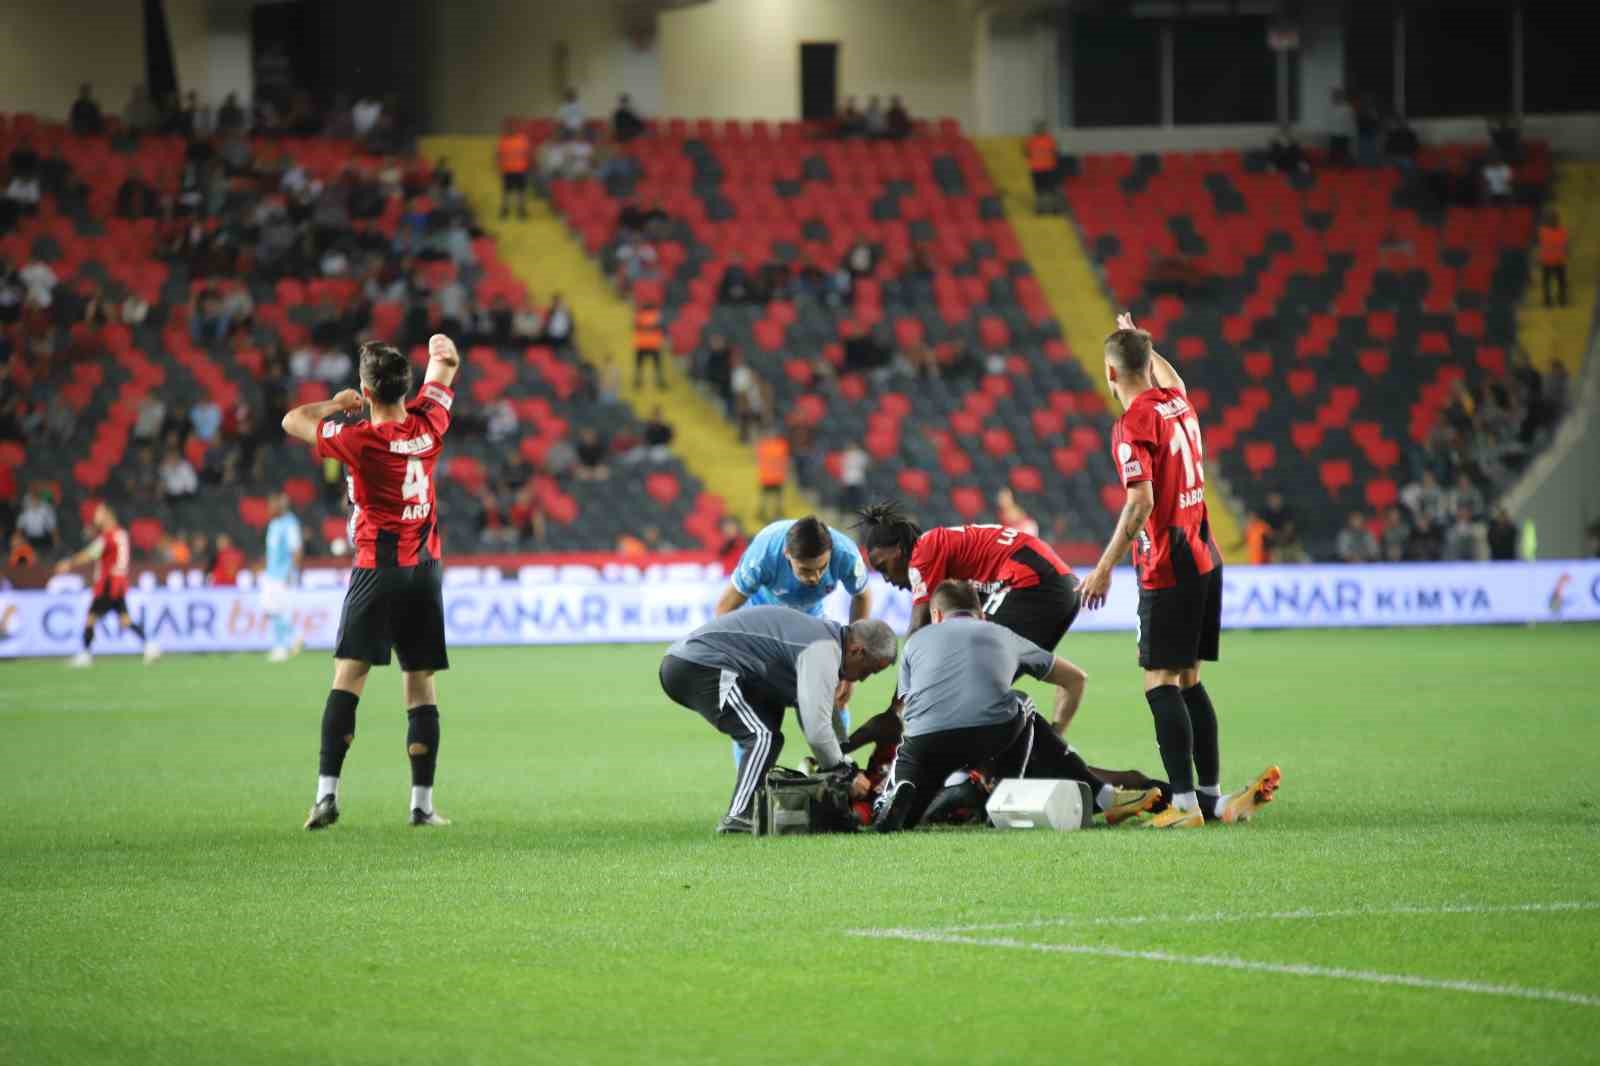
[422,743]
[137,630]
[88,636]
[338,730]
[1174,736]
[1203,723]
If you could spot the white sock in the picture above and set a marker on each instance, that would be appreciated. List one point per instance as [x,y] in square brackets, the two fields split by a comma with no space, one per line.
[1211,799]
[422,798]
[1105,797]
[327,786]
[1186,801]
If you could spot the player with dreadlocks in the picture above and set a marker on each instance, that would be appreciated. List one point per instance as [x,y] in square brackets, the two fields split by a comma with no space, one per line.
[1028,589]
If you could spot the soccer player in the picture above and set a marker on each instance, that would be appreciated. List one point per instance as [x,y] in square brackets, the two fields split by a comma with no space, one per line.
[109,552]
[960,711]
[1157,448]
[798,563]
[284,551]
[740,671]
[1030,590]
[395,601]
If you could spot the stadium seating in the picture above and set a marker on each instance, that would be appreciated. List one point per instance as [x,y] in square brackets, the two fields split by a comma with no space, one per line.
[1364,298]
[1010,398]
[107,371]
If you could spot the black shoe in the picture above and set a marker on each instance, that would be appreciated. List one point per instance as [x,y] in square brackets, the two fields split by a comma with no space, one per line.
[324,814]
[734,823]
[892,818]
[422,817]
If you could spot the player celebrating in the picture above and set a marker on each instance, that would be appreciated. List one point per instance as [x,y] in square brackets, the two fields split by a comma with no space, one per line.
[284,551]
[395,600]
[109,551]
[1156,445]
[1030,590]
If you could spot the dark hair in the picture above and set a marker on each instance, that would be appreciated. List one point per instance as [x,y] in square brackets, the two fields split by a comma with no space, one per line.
[808,539]
[385,371]
[1129,349]
[884,525]
[953,595]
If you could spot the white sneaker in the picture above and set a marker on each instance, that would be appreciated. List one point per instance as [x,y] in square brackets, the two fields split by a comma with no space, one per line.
[81,660]
[152,651]
[278,655]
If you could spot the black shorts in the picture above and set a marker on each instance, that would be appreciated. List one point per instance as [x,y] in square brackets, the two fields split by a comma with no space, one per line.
[101,606]
[395,608]
[1041,613]
[1181,625]
[512,181]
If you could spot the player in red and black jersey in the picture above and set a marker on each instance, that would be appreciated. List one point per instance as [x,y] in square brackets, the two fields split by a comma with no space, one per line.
[109,551]
[1028,589]
[395,602]
[1158,451]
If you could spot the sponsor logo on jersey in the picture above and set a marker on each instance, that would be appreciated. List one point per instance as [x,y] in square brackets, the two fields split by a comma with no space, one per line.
[331,429]
[919,588]
[437,394]
[412,446]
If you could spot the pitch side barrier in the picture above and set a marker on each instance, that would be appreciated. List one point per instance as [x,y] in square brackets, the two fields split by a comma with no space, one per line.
[604,604]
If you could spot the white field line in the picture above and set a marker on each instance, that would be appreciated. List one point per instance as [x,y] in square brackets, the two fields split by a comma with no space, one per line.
[1257,916]
[1226,962]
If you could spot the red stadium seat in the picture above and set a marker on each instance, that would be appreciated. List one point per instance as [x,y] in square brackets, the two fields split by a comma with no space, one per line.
[998,442]
[1067,461]
[1335,475]
[967,501]
[1307,436]
[1112,497]
[1047,424]
[955,463]
[1381,494]
[1258,365]
[1301,381]
[662,487]
[915,483]
[966,424]
[1492,360]
[1260,456]
[253,511]
[300,490]
[1374,362]
[1027,479]
[145,533]
[333,529]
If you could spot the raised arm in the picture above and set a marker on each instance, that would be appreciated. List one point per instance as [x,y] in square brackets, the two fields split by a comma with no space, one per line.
[1161,371]
[301,423]
[443,360]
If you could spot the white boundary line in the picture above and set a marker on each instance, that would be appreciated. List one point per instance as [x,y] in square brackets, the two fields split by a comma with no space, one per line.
[1226,962]
[1266,916]
[955,935]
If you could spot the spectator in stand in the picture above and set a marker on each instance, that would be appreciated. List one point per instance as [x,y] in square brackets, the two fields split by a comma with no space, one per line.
[658,435]
[569,116]
[22,553]
[731,548]
[631,547]
[37,521]
[334,366]
[136,198]
[1356,544]
[862,351]
[178,479]
[853,462]
[1395,541]
[625,121]
[152,413]
[1424,499]
[561,459]
[230,116]
[1287,156]
[772,472]
[592,453]
[527,514]
[1464,494]
[364,116]
[140,114]
[748,399]
[1502,536]
[226,562]
[1283,538]
[898,120]
[208,322]
[1012,515]
[1466,541]
[861,260]
[513,155]
[1497,187]
[737,286]
[1400,143]
[559,326]
[1044,165]
[1553,257]
[877,123]
[86,120]
[851,123]
[1369,125]
[205,420]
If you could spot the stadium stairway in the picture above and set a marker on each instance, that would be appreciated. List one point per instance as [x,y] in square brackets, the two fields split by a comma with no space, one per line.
[547,258]
[1561,334]
[1076,297]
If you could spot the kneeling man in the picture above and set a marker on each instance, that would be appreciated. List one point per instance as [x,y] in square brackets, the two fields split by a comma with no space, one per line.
[741,670]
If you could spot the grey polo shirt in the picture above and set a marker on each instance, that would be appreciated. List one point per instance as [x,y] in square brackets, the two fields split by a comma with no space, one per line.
[958,674]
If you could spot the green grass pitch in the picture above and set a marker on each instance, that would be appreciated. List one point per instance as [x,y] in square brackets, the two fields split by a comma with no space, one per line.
[1423,892]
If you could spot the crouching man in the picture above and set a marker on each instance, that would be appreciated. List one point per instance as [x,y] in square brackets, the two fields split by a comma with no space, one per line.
[740,671]
[959,712]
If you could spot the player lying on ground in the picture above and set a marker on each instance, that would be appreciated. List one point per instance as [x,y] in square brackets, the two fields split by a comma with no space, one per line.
[1030,590]
[1157,448]
[960,711]
[740,671]
[395,601]
[109,551]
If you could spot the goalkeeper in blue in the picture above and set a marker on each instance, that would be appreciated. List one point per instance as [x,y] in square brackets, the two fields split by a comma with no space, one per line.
[798,562]
[285,548]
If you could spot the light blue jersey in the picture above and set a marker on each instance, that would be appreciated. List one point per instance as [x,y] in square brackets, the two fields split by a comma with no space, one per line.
[764,576]
[283,544]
